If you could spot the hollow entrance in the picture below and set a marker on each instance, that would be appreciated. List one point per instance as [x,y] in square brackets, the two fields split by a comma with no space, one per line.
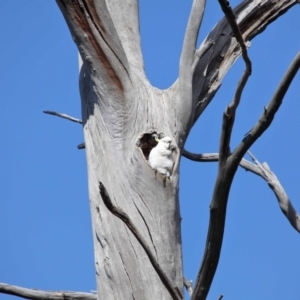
[147,142]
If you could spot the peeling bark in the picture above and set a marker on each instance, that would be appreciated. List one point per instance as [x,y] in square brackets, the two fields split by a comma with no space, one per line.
[253,17]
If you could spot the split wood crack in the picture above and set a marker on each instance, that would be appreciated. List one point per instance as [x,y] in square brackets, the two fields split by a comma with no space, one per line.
[118,212]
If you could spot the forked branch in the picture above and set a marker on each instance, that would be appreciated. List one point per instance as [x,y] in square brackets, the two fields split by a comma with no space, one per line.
[174,291]
[34,294]
[226,172]
[228,164]
[283,200]
[264,171]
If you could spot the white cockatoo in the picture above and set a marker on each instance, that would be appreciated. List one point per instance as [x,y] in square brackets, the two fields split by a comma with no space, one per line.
[160,158]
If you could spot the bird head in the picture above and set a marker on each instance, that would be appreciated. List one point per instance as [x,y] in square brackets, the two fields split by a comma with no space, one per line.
[165,142]
[156,138]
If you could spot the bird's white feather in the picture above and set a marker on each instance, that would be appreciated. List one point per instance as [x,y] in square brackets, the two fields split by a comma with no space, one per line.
[160,158]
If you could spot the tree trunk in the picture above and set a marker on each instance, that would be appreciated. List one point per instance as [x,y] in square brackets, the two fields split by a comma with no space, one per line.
[113,122]
[121,111]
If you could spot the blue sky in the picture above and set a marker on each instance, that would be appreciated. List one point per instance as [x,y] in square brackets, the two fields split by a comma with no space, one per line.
[45,229]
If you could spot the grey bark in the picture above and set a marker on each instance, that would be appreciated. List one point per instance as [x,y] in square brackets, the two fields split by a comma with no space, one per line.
[284,202]
[118,106]
[120,113]
[34,294]
[120,109]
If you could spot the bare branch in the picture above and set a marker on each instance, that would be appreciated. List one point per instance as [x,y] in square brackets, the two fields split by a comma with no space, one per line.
[215,233]
[191,35]
[221,297]
[174,291]
[229,114]
[283,199]
[49,112]
[214,157]
[206,157]
[44,295]
[269,112]
[229,117]
[188,285]
[185,101]
[225,5]
[264,172]
[226,172]
[227,168]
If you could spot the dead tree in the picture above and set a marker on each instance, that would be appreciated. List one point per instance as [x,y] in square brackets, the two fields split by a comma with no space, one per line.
[135,212]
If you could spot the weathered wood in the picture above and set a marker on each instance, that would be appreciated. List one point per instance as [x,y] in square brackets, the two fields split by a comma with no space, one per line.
[34,294]
[64,116]
[284,202]
[120,110]
[114,118]
[252,17]
[113,158]
[174,291]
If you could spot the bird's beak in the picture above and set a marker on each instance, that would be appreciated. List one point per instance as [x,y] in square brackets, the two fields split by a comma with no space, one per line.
[156,138]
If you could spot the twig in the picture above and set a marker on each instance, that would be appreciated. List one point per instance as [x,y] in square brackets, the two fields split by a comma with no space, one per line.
[221,297]
[269,112]
[43,295]
[49,112]
[81,146]
[188,285]
[174,291]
